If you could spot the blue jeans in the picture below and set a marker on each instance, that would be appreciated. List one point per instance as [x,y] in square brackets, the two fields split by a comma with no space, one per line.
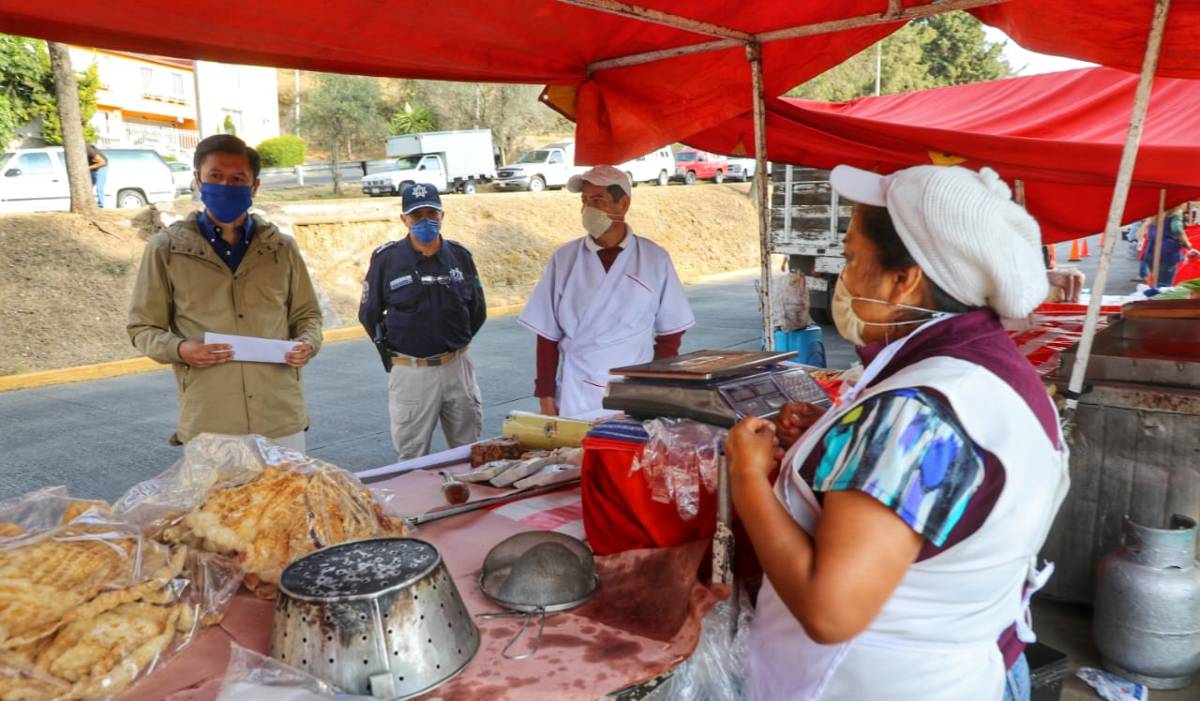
[1017,684]
[99,177]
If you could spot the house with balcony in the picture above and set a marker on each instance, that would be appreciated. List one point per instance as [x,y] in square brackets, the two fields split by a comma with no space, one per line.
[149,101]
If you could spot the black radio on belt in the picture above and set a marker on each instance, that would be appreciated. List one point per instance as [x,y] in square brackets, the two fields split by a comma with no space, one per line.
[714,387]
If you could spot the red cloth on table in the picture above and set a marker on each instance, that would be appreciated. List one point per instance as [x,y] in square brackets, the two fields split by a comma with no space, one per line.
[618,511]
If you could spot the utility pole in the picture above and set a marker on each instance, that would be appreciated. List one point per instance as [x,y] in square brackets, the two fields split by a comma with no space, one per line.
[200,122]
[66,94]
[296,103]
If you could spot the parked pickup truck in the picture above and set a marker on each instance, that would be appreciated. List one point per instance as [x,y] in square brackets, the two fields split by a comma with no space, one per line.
[655,167]
[450,160]
[549,166]
[692,165]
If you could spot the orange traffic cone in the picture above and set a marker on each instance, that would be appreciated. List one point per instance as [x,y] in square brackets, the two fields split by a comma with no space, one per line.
[1074,251]
[1083,251]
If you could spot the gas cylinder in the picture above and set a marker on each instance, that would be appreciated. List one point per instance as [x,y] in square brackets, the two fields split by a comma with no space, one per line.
[1147,618]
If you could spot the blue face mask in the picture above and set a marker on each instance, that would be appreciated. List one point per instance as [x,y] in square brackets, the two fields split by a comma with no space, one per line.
[225,202]
[426,230]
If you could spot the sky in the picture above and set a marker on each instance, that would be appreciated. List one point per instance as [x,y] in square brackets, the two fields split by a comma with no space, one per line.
[1030,63]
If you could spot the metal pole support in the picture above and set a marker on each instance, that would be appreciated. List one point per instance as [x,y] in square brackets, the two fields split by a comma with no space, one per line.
[1137,122]
[762,190]
[1158,239]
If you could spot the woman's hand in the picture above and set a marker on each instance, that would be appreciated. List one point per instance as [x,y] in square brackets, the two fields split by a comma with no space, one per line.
[794,420]
[750,449]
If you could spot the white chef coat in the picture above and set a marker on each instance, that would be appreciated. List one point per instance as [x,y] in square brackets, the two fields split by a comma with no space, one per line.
[602,320]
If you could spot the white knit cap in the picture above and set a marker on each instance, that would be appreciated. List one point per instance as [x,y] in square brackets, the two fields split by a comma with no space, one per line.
[963,229]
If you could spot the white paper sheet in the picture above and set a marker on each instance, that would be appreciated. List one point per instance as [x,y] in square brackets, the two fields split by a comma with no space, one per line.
[248,349]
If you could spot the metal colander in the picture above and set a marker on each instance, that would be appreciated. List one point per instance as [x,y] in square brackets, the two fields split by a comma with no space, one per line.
[536,573]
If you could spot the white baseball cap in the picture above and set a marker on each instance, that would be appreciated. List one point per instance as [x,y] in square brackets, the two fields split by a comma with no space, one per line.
[963,230]
[602,176]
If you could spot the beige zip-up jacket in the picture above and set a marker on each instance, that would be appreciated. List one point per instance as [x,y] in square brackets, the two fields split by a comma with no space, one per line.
[183,290]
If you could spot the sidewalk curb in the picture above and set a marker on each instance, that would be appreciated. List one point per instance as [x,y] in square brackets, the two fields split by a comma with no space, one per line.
[138,366]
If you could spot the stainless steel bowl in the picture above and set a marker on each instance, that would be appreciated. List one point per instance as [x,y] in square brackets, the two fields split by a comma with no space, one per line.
[380,617]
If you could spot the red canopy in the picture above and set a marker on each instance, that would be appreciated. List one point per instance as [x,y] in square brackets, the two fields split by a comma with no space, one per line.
[1061,133]
[622,111]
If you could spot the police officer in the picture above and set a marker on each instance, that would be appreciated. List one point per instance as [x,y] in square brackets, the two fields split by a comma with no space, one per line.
[422,304]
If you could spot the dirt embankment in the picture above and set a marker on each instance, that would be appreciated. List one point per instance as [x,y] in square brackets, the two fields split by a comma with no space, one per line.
[64,287]
[707,229]
[65,280]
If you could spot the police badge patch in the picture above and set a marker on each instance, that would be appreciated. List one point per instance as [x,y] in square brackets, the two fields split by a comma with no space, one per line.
[399,282]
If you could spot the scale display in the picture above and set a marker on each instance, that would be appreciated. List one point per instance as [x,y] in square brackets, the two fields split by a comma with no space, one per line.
[722,401]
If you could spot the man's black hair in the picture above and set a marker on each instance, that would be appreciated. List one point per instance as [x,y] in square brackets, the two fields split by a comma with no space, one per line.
[226,143]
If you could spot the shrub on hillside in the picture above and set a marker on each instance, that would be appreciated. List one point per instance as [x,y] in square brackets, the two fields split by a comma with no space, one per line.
[282,152]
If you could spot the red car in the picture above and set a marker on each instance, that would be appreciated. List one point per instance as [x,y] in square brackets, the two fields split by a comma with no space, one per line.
[692,165]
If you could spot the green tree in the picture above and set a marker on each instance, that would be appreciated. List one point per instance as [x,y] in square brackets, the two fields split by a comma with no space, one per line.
[47,109]
[412,119]
[958,53]
[24,69]
[228,126]
[343,108]
[945,49]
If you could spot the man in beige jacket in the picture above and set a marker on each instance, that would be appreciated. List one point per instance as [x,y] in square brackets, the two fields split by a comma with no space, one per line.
[226,271]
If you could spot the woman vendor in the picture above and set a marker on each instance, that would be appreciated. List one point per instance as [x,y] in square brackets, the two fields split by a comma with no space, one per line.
[900,539]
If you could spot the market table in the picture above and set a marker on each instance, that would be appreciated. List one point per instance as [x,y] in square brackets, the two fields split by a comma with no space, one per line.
[643,622]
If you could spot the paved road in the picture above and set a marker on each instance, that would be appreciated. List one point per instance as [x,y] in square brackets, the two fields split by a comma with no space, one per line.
[100,437]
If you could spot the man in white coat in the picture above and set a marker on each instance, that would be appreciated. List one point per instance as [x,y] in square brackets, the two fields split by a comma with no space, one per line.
[608,299]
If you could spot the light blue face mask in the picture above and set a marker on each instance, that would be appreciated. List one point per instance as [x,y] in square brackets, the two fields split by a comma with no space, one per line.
[427,230]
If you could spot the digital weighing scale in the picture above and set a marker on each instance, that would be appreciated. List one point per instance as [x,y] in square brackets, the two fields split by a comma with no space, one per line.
[713,387]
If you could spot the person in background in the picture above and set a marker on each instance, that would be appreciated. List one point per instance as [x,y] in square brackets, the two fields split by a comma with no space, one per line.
[226,271]
[422,303]
[1174,246]
[608,299]
[98,167]
[900,540]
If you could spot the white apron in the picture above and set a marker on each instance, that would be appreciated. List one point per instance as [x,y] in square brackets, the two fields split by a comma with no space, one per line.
[936,637]
[604,320]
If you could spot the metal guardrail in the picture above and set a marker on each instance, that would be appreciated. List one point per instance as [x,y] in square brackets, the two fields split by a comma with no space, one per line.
[346,167]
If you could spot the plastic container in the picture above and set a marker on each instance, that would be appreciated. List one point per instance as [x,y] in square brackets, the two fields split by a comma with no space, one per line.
[807,343]
[1047,670]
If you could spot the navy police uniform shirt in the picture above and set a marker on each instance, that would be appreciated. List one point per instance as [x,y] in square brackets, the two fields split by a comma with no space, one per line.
[422,306]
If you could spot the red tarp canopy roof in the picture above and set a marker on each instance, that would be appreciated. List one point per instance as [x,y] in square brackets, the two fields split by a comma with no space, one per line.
[621,112]
[1061,133]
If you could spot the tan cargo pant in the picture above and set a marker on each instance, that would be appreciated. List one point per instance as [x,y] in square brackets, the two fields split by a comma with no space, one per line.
[419,396]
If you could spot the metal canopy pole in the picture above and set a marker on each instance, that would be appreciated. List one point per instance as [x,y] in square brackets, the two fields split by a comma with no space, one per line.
[762,188]
[1120,194]
[732,38]
[1158,227]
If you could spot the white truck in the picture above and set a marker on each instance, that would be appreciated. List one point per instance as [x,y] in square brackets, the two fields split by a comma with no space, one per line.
[808,224]
[453,161]
[549,166]
[654,167]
